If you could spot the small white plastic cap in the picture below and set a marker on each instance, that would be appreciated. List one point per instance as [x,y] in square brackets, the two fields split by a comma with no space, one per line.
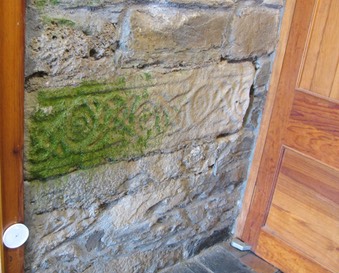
[15,236]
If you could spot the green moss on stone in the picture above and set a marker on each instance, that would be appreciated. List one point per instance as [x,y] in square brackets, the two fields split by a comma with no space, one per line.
[43,3]
[59,21]
[90,124]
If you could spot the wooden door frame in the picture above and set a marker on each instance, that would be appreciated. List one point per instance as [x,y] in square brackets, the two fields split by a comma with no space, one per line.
[277,67]
[12,44]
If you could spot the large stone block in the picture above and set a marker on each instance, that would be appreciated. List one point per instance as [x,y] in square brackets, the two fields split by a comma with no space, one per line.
[253,33]
[65,49]
[209,3]
[73,3]
[275,3]
[263,73]
[172,36]
[79,127]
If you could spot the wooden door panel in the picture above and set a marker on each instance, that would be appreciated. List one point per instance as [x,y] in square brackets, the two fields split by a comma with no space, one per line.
[293,219]
[335,88]
[304,210]
[282,255]
[319,113]
[319,68]
[311,175]
[313,128]
[284,97]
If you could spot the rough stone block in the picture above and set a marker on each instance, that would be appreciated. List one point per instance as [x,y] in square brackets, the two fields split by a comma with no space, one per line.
[197,267]
[188,267]
[79,127]
[73,3]
[172,36]
[277,3]
[209,3]
[180,268]
[255,109]
[252,33]
[260,91]
[263,73]
[63,49]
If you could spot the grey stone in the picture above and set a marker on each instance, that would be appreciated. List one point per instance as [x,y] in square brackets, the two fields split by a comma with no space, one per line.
[68,51]
[217,236]
[260,91]
[254,113]
[197,267]
[171,36]
[81,3]
[252,33]
[218,260]
[94,240]
[148,261]
[209,3]
[187,267]
[263,73]
[274,3]
[180,268]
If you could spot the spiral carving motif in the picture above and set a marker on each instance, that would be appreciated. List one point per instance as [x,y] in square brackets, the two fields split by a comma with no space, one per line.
[83,128]
[82,122]
[80,127]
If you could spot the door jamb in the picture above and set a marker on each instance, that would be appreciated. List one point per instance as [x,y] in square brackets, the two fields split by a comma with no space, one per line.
[277,66]
[12,44]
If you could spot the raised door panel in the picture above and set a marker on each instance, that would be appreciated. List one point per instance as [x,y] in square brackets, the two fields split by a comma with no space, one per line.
[313,128]
[305,206]
[319,69]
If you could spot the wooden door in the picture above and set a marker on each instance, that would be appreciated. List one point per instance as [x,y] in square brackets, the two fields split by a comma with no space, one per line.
[11,124]
[293,215]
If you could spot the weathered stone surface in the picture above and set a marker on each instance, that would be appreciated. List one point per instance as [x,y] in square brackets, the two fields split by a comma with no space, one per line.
[211,3]
[255,109]
[107,183]
[181,268]
[253,32]
[260,91]
[72,3]
[263,73]
[143,206]
[172,36]
[61,49]
[148,261]
[87,125]
[97,4]
[152,130]
[196,267]
[276,3]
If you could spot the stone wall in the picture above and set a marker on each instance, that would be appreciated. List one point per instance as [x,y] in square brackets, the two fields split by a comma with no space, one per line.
[140,119]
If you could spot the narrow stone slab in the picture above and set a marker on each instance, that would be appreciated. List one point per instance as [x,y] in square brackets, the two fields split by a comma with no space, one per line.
[180,268]
[197,267]
[188,267]
[218,260]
